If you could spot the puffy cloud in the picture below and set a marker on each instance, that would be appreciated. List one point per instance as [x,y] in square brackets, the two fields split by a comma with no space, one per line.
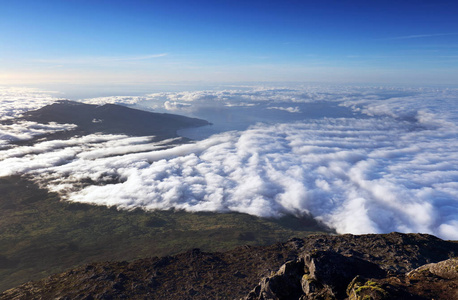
[173,105]
[288,109]
[124,100]
[393,167]
[448,230]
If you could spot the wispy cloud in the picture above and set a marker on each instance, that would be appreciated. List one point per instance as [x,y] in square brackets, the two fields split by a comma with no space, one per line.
[99,59]
[418,36]
[141,57]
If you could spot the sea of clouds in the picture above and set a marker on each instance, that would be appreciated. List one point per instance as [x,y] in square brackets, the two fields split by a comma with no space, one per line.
[360,159]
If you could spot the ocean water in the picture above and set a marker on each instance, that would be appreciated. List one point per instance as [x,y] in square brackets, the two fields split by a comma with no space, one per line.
[360,159]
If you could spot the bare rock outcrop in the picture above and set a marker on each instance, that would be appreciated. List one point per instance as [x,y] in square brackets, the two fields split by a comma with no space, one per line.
[315,275]
[447,269]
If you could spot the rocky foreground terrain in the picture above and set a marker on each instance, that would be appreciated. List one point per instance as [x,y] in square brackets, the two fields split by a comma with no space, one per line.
[387,266]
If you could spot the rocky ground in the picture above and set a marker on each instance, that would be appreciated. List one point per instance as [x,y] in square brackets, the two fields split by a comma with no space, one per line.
[388,266]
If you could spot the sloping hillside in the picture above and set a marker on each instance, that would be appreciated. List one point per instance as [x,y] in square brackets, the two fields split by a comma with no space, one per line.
[111,119]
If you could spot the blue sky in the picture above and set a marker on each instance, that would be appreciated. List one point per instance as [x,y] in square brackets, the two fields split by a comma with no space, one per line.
[142,42]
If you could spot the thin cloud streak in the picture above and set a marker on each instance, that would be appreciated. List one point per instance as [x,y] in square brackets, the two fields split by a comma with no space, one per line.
[100,59]
[418,36]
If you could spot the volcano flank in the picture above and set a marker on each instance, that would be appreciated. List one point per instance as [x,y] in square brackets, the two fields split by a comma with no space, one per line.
[110,119]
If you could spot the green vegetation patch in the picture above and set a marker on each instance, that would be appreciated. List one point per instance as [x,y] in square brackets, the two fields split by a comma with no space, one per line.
[368,290]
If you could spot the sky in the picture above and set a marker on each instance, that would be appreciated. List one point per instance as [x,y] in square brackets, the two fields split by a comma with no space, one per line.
[139,42]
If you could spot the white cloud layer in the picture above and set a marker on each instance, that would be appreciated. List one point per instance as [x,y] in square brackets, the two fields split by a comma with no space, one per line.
[392,167]
[21,131]
[16,101]
[13,103]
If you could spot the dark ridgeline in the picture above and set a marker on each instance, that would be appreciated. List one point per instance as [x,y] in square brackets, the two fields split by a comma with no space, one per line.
[110,119]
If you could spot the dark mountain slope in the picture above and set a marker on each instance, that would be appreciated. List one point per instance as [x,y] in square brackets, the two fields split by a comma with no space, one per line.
[112,119]
[317,267]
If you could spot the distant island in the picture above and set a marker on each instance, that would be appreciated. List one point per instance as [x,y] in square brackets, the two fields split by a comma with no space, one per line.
[110,119]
